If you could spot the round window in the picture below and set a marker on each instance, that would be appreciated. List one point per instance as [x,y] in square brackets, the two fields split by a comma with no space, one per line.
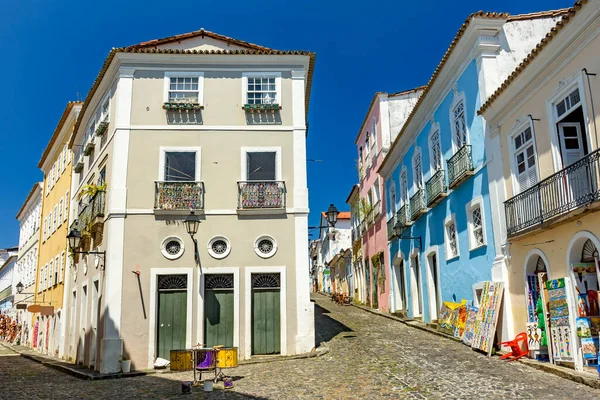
[218,247]
[265,246]
[172,248]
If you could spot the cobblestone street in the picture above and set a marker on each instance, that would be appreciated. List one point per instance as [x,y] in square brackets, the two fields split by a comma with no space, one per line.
[370,357]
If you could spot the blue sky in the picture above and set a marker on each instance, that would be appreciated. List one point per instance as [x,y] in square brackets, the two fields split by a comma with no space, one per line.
[53,50]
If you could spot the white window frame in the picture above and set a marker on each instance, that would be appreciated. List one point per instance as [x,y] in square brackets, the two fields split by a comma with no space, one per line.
[393,196]
[417,180]
[243,158]
[435,129]
[60,218]
[477,202]
[447,221]
[181,74]
[565,87]
[61,273]
[404,186]
[67,202]
[517,130]
[458,97]
[106,99]
[168,149]
[276,75]
[56,272]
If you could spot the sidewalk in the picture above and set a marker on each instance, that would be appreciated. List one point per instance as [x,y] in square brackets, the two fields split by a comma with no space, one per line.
[75,370]
[585,378]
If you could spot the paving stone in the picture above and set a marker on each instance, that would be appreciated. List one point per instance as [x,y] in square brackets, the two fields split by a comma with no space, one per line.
[370,357]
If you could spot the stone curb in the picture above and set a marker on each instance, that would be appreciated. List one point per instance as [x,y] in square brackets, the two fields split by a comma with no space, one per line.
[566,373]
[320,351]
[73,371]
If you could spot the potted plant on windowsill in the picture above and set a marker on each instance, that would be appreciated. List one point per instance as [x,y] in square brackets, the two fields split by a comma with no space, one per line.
[125,365]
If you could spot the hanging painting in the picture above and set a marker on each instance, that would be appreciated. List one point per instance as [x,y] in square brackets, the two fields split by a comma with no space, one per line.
[534,336]
[487,316]
[560,325]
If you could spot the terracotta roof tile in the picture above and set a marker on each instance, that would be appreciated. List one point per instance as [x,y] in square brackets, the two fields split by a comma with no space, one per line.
[341,215]
[146,48]
[567,16]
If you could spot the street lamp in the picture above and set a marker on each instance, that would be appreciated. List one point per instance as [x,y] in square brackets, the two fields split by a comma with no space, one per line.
[398,228]
[74,239]
[192,222]
[20,287]
[332,215]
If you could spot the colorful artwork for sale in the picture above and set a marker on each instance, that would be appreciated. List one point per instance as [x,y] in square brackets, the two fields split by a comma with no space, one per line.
[534,336]
[459,330]
[560,327]
[589,348]
[561,343]
[595,326]
[487,316]
[583,328]
[449,316]
[533,291]
[469,325]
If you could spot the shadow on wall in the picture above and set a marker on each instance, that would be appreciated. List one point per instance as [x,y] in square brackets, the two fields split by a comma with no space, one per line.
[326,328]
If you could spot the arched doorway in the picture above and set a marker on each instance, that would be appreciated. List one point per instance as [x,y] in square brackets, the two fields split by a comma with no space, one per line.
[536,274]
[582,264]
[399,284]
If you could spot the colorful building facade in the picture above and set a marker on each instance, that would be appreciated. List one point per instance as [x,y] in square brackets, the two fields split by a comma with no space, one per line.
[49,323]
[387,113]
[543,143]
[436,173]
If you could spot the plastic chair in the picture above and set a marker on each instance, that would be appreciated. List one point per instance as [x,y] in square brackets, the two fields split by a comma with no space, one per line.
[518,350]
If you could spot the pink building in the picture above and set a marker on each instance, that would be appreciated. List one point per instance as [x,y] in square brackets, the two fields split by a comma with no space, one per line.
[387,113]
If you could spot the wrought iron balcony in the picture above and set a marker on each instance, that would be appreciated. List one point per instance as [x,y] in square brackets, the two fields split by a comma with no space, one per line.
[355,234]
[363,226]
[91,216]
[390,226]
[435,188]
[460,166]
[178,195]
[569,189]
[403,215]
[376,209]
[370,217]
[417,205]
[257,195]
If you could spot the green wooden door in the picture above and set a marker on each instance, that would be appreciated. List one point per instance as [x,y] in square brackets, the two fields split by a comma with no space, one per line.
[172,314]
[266,316]
[218,310]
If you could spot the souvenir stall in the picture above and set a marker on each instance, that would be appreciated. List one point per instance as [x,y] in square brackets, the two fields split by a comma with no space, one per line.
[587,320]
[537,313]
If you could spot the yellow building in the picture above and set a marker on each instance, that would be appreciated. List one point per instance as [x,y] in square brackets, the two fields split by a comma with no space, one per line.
[48,332]
[544,171]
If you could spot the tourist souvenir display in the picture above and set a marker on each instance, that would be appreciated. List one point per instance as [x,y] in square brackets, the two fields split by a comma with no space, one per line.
[487,316]
[560,323]
[470,325]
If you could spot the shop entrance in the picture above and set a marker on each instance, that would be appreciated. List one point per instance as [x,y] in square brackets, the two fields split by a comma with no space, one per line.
[433,286]
[537,307]
[415,291]
[400,285]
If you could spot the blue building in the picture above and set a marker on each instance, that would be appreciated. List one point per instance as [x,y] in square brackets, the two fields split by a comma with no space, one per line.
[436,177]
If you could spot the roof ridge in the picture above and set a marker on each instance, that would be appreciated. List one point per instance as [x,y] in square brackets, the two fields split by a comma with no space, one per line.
[201,32]
[539,14]
[407,91]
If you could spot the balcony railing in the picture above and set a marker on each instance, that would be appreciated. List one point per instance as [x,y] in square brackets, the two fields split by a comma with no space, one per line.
[355,234]
[435,188]
[403,215]
[376,209]
[565,191]
[390,226]
[363,226]
[178,195]
[417,204]
[91,216]
[257,195]
[460,166]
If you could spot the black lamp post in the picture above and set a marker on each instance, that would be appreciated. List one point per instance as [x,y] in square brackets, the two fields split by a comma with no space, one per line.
[192,222]
[398,228]
[332,215]
[74,239]
[20,287]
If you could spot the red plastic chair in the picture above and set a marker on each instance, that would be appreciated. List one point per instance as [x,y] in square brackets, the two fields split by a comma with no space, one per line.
[518,350]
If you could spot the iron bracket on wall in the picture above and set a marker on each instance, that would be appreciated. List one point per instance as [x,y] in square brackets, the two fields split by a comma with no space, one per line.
[413,238]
